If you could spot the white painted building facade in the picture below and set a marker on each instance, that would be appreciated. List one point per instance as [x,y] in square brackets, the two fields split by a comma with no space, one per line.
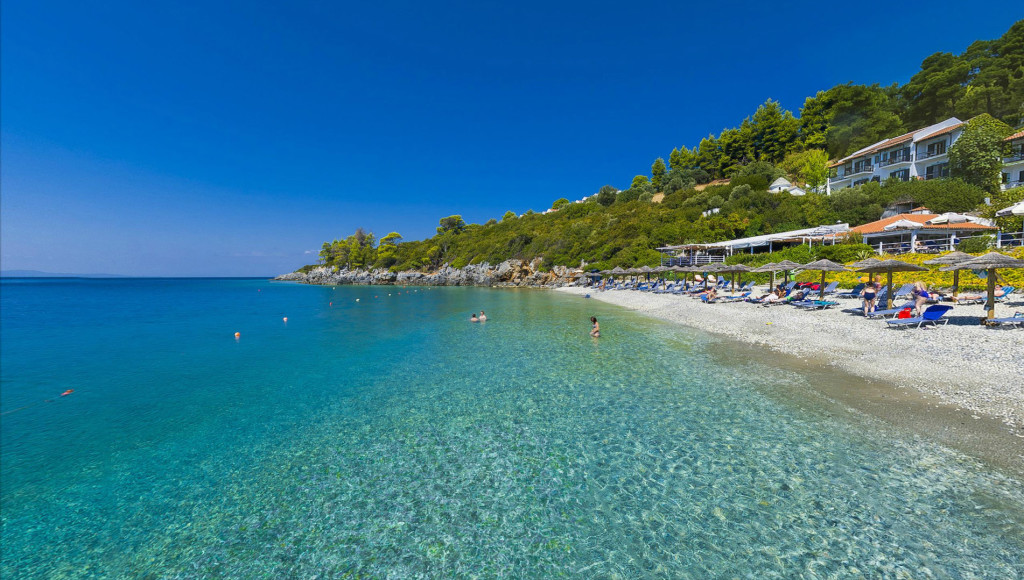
[1013,165]
[921,154]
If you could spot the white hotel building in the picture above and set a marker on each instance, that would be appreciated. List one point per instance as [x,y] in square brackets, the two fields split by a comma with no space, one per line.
[917,155]
[1013,166]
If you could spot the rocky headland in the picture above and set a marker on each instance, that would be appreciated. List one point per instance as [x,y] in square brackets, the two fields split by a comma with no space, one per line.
[512,273]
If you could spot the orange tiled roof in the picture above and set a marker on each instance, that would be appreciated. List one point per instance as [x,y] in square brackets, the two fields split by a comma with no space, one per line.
[1016,135]
[921,218]
[942,131]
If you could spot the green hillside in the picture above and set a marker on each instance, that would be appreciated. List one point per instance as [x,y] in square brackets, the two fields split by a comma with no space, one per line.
[984,84]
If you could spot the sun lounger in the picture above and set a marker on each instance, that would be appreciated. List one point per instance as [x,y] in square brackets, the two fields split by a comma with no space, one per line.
[931,315]
[1017,320]
[704,298]
[739,298]
[890,313]
[815,304]
[831,288]
[854,293]
[905,290]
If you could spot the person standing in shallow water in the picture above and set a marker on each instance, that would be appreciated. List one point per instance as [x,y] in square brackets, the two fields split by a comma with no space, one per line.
[473,318]
[596,330]
[482,317]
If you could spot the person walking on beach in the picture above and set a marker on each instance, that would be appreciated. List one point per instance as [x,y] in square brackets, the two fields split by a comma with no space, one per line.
[869,294]
[596,330]
[473,318]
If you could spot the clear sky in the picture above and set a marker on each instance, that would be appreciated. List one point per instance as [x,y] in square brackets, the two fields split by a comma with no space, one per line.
[233,138]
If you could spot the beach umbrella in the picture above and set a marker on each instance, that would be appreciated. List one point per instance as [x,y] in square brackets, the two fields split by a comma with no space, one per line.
[1015,209]
[866,262]
[769,267]
[824,266]
[787,266]
[734,269]
[708,269]
[890,266]
[903,225]
[949,259]
[682,269]
[991,261]
[645,270]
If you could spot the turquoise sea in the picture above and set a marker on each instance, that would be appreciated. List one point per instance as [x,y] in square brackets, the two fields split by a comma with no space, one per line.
[390,437]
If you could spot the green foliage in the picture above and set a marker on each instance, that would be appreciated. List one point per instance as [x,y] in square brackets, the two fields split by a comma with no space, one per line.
[658,173]
[509,215]
[452,223]
[976,245]
[853,116]
[606,195]
[976,157]
[560,203]
[639,181]
[810,167]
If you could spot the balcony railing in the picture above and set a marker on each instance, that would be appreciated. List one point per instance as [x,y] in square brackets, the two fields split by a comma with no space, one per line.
[927,155]
[1011,184]
[856,171]
[895,160]
[1014,158]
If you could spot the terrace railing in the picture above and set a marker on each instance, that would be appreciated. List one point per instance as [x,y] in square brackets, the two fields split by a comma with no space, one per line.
[927,155]
[895,159]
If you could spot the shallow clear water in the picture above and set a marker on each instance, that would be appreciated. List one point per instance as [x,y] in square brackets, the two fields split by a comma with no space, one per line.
[391,437]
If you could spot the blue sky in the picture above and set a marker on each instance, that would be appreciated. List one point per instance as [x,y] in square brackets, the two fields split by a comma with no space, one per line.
[230,138]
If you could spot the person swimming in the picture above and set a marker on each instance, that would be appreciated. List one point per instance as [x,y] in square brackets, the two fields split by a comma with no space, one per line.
[596,330]
[473,318]
[482,317]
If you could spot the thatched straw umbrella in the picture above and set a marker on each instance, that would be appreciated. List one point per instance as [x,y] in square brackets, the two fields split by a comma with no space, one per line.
[708,269]
[890,266]
[824,266]
[769,267]
[949,259]
[865,263]
[991,262]
[787,266]
[734,269]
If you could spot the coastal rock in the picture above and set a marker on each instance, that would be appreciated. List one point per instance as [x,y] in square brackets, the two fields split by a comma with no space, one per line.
[507,273]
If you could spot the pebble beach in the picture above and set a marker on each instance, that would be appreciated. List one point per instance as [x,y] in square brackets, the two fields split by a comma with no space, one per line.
[963,363]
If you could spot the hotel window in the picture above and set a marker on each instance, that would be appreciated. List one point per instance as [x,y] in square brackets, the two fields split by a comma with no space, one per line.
[936,148]
[1006,177]
[1020,177]
[860,182]
[902,175]
[936,171]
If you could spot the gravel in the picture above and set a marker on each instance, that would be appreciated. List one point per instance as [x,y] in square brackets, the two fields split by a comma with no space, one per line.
[964,363]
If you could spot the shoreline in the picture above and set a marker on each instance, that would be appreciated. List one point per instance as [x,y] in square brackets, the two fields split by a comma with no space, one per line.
[964,376]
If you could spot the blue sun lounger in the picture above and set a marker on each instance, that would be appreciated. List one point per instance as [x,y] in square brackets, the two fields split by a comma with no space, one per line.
[933,314]
[815,304]
[1015,320]
[854,293]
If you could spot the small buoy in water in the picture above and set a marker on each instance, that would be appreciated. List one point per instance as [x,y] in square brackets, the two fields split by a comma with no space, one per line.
[357,300]
[237,334]
[330,304]
[389,294]
[67,392]
[286,319]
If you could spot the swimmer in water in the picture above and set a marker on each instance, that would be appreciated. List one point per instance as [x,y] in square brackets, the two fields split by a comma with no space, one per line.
[483,317]
[473,318]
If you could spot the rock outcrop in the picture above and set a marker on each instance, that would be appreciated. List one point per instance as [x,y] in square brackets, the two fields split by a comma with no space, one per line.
[507,273]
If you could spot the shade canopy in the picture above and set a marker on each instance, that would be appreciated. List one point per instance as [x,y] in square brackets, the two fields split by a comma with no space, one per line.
[1015,209]
[769,267]
[788,265]
[890,266]
[988,261]
[950,258]
[991,261]
[864,263]
[661,269]
[733,269]
[825,266]
[645,269]
[903,225]
[617,270]
[956,218]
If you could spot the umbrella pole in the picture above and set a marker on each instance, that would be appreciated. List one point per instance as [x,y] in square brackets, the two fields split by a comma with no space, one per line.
[956,283]
[821,287]
[773,282]
[991,293]
[888,291]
